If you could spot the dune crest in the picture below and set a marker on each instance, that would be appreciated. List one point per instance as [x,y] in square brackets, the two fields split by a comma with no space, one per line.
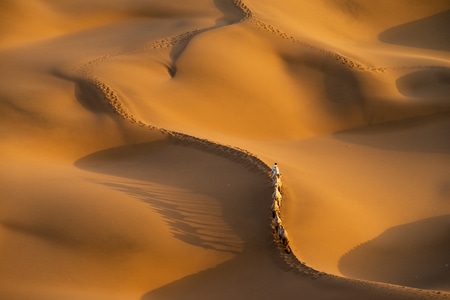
[137,138]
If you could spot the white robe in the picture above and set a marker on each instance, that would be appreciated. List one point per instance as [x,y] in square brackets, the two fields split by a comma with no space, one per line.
[275,170]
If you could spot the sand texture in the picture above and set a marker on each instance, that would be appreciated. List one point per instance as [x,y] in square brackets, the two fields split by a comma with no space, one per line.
[137,139]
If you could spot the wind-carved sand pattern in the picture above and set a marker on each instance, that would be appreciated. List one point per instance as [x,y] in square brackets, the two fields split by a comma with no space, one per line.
[254,21]
[241,156]
[349,62]
[344,60]
[189,218]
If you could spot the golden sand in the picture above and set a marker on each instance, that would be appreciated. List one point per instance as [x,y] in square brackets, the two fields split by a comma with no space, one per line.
[137,137]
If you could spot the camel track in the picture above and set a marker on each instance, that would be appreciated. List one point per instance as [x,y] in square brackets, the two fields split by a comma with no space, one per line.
[244,157]
[250,18]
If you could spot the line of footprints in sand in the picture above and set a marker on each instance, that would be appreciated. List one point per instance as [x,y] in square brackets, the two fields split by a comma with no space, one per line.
[234,153]
[113,100]
[251,19]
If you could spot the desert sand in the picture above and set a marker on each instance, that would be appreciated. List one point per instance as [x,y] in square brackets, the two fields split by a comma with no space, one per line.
[137,138]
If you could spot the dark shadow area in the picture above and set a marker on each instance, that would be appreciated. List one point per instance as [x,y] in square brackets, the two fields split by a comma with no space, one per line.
[174,180]
[427,83]
[342,88]
[193,178]
[428,33]
[86,93]
[415,254]
[91,98]
[351,8]
[193,219]
[231,14]
[244,277]
[419,134]
[254,274]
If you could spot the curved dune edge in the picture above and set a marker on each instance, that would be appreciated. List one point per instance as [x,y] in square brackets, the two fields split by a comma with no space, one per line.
[242,156]
[253,163]
[249,17]
[349,62]
[376,264]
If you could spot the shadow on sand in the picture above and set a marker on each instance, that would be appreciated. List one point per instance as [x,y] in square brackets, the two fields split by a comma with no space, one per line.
[198,194]
[207,201]
[179,182]
[231,15]
[415,254]
[427,33]
[432,131]
[429,83]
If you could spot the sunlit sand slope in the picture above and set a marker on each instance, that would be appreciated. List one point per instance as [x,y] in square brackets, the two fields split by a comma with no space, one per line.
[137,138]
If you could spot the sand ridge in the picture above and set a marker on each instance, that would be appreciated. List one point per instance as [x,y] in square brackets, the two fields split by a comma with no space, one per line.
[242,156]
[179,42]
[250,17]
[102,96]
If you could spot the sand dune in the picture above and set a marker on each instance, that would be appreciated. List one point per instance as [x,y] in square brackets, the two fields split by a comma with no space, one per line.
[137,138]
[400,255]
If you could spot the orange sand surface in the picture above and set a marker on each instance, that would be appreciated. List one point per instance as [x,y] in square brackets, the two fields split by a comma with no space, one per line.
[137,138]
